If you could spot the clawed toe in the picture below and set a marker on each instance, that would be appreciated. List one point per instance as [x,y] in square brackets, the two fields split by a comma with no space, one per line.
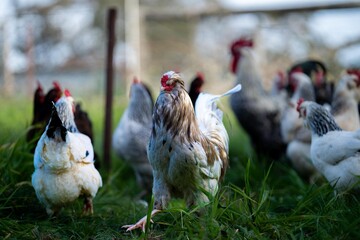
[140,224]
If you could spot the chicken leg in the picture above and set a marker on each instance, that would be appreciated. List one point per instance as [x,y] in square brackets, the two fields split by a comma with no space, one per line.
[88,206]
[141,223]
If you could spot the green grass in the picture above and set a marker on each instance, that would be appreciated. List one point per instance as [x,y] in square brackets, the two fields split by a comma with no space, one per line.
[257,200]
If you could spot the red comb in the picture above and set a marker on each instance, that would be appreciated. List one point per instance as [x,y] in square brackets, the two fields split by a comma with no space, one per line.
[282,83]
[136,80]
[242,42]
[296,70]
[56,85]
[281,74]
[164,79]
[299,102]
[39,86]
[200,75]
[67,93]
[354,72]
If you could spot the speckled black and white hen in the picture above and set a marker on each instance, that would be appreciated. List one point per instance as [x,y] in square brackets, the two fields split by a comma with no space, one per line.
[334,152]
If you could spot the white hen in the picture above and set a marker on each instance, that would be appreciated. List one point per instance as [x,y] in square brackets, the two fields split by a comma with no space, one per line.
[293,131]
[335,153]
[64,162]
[344,106]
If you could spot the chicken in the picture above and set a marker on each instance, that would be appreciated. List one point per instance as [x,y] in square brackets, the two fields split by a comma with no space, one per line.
[280,83]
[294,133]
[131,137]
[291,125]
[83,122]
[64,162]
[39,98]
[84,125]
[51,97]
[344,106]
[188,150]
[258,112]
[317,71]
[334,152]
[356,72]
[42,111]
[195,87]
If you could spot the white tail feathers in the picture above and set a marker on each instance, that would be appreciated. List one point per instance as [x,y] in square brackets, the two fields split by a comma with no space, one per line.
[205,100]
[205,104]
[209,116]
[235,89]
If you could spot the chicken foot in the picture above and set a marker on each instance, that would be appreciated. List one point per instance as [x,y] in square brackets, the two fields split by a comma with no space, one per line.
[141,223]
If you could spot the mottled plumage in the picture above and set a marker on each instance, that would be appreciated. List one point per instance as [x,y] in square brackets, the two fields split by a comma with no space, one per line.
[188,150]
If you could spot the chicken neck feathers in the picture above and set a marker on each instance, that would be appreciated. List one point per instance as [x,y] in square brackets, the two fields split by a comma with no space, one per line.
[321,121]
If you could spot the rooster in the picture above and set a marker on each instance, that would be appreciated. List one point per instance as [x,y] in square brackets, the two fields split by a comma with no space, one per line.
[42,110]
[64,162]
[257,111]
[344,106]
[131,137]
[188,150]
[334,152]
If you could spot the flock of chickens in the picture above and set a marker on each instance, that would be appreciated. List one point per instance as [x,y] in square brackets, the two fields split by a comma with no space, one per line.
[178,146]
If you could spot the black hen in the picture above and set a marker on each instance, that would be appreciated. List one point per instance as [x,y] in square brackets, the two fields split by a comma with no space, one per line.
[258,112]
[43,105]
[195,87]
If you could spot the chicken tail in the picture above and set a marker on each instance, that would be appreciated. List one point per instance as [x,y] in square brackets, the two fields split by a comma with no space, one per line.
[209,118]
[206,102]
[55,125]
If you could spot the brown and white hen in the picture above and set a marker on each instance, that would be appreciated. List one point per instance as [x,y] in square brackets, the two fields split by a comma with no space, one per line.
[188,150]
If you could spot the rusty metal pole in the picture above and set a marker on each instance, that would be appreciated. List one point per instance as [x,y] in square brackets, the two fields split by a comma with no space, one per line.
[109,74]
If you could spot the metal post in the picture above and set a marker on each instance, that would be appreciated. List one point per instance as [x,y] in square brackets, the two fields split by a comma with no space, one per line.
[109,86]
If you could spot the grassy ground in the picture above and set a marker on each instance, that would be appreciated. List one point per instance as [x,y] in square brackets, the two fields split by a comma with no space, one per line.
[257,200]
